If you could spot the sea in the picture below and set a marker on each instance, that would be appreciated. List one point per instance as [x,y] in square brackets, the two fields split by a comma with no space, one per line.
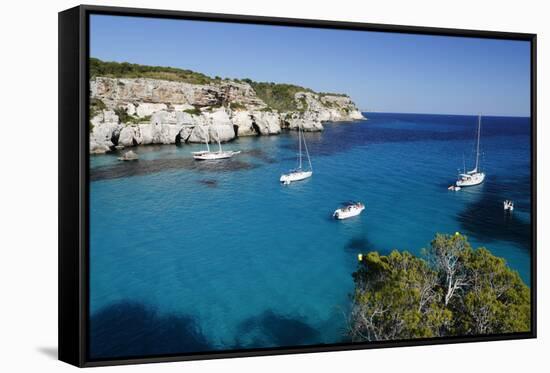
[188,256]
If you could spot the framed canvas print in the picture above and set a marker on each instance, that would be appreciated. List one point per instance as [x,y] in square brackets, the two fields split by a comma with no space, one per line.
[238,186]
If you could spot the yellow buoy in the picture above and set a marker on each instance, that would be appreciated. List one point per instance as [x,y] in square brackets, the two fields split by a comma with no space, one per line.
[360,257]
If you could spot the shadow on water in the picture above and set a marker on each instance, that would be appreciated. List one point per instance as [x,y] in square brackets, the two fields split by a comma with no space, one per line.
[271,329]
[210,183]
[360,244]
[132,329]
[487,221]
[145,167]
[260,155]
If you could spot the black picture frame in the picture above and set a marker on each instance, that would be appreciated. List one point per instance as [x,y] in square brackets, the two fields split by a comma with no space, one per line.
[74,180]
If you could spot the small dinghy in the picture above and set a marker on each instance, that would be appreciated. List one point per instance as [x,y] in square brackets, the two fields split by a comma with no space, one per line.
[129,156]
[508,205]
[454,188]
[350,210]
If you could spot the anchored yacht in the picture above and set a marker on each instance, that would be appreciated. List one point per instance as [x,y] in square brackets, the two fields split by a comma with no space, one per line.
[350,210]
[207,155]
[475,176]
[298,173]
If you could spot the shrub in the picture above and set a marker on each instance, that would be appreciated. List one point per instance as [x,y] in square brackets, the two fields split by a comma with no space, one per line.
[456,290]
[237,106]
[194,111]
[96,106]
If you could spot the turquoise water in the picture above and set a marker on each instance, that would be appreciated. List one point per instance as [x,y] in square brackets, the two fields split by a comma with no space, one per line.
[191,256]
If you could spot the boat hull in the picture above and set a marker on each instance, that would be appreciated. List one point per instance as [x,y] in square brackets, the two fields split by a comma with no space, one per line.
[209,156]
[341,214]
[471,180]
[295,176]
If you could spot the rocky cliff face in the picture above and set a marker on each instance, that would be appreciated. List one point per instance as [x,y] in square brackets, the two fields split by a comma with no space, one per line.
[132,112]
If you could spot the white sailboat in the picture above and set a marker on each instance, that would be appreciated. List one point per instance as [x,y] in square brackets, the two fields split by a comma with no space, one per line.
[298,173]
[207,155]
[475,176]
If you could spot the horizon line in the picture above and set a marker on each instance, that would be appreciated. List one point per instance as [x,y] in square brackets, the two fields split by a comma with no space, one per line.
[448,114]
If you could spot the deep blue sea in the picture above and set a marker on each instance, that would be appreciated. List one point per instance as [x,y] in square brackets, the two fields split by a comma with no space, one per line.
[190,256]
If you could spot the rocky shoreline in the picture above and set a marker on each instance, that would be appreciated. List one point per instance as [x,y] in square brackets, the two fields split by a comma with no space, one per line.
[128,112]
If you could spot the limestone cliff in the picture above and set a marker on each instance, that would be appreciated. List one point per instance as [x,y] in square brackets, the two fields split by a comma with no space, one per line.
[135,111]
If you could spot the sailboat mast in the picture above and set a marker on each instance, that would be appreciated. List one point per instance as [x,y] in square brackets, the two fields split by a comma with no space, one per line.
[478,135]
[307,153]
[206,137]
[299,146]
[219,143]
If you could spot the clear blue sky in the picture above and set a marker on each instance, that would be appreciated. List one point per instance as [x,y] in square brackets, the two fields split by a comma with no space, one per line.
[380,71]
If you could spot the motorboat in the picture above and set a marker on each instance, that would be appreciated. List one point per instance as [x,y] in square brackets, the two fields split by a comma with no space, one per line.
[350,210]
[508,205]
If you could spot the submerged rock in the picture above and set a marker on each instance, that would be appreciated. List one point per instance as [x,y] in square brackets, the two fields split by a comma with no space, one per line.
[129,156]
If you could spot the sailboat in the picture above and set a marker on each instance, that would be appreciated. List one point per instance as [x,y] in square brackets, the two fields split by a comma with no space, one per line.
[207,155]
[298,173]
[475,176]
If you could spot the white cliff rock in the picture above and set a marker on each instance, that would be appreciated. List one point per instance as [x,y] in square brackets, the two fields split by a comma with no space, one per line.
[182,112]
[244,123]
[146,109]
[268,123]
[218,117]
[130,109]
[182,107]
[127,136]
[223,132]
[105,126]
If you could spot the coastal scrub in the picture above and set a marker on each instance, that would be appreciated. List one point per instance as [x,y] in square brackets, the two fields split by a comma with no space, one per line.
[453,290]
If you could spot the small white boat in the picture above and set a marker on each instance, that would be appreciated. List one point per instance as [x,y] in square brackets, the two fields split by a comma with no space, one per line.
[129,156]
[298,173]
[295,175]
[208,155]
[454,188]
[508,205]
[475,176]
[348,211]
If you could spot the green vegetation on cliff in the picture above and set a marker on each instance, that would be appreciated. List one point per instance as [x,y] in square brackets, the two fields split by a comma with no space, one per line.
[132,70]
[454,290]
[126,118]
[278,96]
[96,106]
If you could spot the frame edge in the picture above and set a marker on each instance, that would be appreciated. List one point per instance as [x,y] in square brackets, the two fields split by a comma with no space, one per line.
[69,189]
